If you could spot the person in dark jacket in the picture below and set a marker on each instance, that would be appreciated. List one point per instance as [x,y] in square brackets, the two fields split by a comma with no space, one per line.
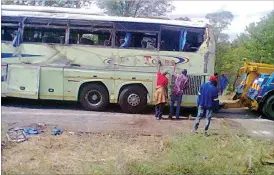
[223,83]
[207,101]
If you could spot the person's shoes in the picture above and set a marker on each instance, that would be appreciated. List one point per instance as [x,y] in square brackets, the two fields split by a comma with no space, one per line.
[170,116]
[157,118]
[206,134]
[177,118]
[194,131]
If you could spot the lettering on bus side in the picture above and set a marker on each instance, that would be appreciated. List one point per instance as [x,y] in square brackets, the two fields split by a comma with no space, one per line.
[148,60]
[166,60]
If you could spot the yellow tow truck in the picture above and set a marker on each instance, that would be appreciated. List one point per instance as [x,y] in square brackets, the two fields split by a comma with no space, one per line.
[256,90]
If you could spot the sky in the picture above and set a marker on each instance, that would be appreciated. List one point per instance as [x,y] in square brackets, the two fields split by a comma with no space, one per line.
[245,12]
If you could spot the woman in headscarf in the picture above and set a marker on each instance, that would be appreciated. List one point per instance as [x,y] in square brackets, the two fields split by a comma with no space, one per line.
[160,96]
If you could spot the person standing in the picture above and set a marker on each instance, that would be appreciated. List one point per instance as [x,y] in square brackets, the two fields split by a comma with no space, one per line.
[217,83]
[223,83]
[181,82]
[207,101]
[160,95]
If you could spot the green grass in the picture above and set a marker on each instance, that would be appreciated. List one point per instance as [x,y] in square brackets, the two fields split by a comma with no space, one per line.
[217,154]
[225,153]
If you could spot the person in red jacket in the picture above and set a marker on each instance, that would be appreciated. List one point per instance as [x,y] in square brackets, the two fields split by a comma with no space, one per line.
[160,96]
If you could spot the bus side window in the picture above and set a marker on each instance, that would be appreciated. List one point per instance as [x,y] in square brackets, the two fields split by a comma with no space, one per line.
[99,37]
[44,35]
[194,39]
[8,33]
[130,39]
[170,40]
[181,39]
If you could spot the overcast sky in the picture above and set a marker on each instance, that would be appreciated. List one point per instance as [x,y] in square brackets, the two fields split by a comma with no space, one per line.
[245,12]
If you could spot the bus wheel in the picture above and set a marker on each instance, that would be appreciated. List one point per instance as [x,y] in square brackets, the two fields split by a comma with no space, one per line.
[268,108]
[133,99]
[94,97]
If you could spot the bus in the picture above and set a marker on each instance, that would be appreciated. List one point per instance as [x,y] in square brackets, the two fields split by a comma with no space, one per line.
[52,53]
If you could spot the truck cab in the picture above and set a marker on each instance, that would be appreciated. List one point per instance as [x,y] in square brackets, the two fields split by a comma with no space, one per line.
[256,89]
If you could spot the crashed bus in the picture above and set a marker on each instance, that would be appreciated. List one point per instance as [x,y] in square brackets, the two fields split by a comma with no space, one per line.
[68,54]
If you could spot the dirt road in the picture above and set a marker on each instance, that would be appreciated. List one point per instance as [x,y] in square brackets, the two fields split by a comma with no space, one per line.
[71,117]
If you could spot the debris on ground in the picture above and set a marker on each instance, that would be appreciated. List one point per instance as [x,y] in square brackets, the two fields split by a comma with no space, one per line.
[56,131]
[31,131]
[3,145]
[39,126]
[16,135]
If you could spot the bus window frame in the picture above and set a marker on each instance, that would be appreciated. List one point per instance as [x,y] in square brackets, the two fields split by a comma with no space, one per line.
[43,27]
[175,28]
[139,31]
[9,25]
[111,31]
[111,28]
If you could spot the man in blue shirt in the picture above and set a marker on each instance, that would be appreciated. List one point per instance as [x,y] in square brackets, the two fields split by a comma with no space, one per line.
[207,101]
[223,83]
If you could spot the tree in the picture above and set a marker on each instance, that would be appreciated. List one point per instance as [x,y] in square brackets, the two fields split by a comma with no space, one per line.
[260,39]
[55,3]
[136,8]
[256,44]
[183,18]
[219,22]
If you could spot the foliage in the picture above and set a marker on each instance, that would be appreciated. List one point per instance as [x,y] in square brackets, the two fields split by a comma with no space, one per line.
[256,44]
[136,8]
[219,22]
[183,19]
[55,3]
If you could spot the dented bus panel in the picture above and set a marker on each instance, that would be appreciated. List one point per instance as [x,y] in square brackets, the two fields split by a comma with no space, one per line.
[67,55]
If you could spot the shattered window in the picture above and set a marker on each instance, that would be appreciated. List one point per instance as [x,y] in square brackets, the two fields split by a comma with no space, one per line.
[136,35]
[44,35]
[170,38]
[194,38]
[8,32]
[99,37]
[181,39]
[144,40]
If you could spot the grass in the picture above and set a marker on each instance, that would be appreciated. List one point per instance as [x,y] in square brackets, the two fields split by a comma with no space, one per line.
[217,154]
[226,153]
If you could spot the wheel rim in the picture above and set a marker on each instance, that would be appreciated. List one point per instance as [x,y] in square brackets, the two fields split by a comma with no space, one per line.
[93,97]
[133,100]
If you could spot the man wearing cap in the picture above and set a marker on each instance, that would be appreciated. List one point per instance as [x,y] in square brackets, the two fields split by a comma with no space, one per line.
[207,101]
[181,82]
[160,95]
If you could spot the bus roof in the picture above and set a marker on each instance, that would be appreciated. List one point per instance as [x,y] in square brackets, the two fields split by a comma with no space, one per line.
[83,14]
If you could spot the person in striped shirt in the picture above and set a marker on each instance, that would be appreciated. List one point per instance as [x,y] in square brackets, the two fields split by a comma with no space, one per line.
[180,83]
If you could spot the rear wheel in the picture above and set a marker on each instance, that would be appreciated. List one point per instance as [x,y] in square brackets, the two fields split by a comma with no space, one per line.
[133,99]
[268,108]
[94,97]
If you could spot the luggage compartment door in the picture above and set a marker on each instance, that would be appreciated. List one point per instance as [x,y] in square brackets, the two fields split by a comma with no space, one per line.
[23,81]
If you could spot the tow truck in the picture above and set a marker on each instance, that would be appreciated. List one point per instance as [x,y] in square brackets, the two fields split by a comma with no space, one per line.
[256,90]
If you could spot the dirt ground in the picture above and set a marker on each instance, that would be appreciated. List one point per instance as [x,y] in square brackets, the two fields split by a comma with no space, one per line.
[71,117]
[98,138]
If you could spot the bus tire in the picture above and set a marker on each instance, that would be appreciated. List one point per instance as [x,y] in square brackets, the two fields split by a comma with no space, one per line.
[133,99]
[94,97]
[268,107]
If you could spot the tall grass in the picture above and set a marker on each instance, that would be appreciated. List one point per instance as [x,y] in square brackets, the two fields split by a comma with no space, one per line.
[217,154]
[223,153]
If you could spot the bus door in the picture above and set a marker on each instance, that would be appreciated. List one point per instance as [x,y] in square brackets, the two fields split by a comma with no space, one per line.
[23,81]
